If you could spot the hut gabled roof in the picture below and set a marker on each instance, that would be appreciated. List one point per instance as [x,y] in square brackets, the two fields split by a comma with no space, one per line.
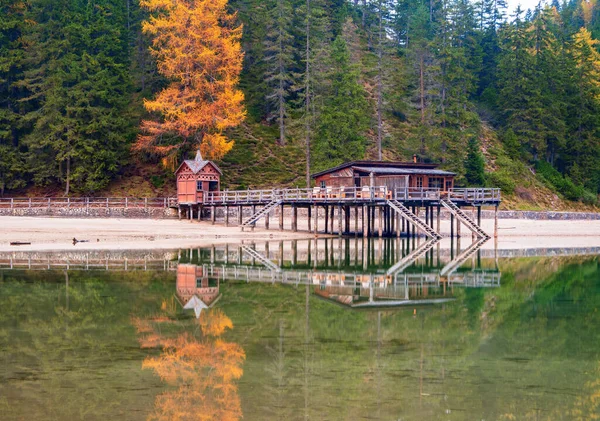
[198,163]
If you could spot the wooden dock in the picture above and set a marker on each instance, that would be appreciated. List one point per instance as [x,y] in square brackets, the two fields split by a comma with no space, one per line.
[365,211]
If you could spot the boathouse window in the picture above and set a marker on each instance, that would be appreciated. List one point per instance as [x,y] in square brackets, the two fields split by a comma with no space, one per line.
[436,182]
[198,185]
[322,184]
[419,182]
[448,185]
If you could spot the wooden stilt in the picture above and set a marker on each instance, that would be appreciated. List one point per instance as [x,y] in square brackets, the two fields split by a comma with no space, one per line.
[326,219]
[226,216]
[332,217]
[199,212]
[479,216]
[362,220]
[213,214]
[457,228]
[267,220]
[439,208]
[179,211]
[316,225]
[340,224]
[240,214]
[294,218]
[281,217]
[380,225]
[355,220]
[191,213]
[451,226]
[309,217]
[496,222]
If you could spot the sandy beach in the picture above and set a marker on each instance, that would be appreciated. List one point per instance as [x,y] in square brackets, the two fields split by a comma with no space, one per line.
[138,234]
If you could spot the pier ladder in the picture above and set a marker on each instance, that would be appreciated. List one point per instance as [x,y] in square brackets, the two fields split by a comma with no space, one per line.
[261,213]
[413,219]
[464,218]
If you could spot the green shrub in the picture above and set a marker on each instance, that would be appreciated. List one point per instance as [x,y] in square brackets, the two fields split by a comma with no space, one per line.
[157,181]
[563,184]
[503,179]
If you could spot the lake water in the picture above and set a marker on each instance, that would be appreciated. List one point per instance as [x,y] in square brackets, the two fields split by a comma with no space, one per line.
[321,330]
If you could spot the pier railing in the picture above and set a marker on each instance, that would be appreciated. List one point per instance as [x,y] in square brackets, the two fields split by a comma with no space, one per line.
[249,197]
[348,194]
[87,202]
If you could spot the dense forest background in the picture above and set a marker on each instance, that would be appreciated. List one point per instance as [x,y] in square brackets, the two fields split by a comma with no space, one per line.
[506,100]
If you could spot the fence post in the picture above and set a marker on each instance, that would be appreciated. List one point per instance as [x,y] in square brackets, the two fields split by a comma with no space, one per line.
[146,203]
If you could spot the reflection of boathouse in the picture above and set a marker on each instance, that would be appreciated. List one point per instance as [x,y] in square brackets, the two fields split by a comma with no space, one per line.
[192,281]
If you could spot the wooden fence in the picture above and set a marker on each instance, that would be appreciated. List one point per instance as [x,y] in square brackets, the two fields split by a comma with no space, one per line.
[87,202]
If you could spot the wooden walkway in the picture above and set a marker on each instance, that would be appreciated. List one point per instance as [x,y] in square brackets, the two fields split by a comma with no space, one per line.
[381,211]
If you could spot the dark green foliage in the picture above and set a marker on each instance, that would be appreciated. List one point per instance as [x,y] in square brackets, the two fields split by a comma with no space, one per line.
[563,184]
[474,164]
[345,115]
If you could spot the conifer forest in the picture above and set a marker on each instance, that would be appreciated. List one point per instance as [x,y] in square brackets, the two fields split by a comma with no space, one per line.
[94,91]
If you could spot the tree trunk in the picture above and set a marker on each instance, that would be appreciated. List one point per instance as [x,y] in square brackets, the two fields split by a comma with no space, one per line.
[68,178]
[307,93]
[281,74]
[379,85]
[422,87]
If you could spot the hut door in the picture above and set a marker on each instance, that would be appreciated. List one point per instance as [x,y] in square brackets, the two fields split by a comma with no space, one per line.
[190,191]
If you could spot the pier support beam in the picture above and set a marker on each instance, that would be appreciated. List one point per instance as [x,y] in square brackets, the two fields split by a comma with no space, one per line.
[240,214]
[496,221]
[294,218]
[316,225]
[226,216]
[309,210]
[340,217]
[326,219]
[213,214]
[281,217]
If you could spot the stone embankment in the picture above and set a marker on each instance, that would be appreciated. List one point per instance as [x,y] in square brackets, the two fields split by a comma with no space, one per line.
[82,212]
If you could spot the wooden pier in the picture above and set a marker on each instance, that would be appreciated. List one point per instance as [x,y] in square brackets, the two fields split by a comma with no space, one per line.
[364,211]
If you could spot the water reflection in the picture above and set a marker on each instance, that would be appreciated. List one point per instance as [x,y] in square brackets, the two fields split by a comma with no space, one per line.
[274,337]
[355,273]
[200,367]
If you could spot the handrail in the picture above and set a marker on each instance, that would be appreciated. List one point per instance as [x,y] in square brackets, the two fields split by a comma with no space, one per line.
[87,202]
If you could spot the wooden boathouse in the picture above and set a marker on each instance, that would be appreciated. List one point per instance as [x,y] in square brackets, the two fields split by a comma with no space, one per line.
[381,199]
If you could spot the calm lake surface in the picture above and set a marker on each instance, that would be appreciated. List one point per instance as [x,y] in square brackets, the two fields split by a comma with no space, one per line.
[322,330]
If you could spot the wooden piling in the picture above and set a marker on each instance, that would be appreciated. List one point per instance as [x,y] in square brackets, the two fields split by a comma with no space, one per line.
[340,226]
[326,218]
[495,221]
[309,217]
[281,217]
[213,214]
[380,224]
[316,224]
[226,216]
[240,214]
[267,220]
[294,218]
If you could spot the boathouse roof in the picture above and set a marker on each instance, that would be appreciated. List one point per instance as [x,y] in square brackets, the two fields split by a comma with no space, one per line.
[388,167]
[402,171]
[198,163]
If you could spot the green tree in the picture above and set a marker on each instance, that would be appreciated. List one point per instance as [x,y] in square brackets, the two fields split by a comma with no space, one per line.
[474,164]
[345,114]
[77,74]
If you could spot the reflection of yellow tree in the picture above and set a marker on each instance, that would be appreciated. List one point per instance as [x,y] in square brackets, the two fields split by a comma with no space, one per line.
[203,372]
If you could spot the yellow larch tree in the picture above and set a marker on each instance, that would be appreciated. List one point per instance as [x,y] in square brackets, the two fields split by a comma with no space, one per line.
[196,44]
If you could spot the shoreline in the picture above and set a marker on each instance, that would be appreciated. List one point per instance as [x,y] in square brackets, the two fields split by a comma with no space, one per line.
[54,234]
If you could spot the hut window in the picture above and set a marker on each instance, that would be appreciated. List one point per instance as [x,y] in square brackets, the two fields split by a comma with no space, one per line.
[448,185]
[322,184]
[419,182]
[436,182]
[198,185]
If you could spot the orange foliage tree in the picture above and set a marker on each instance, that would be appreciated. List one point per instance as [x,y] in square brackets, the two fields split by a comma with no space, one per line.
[196,44]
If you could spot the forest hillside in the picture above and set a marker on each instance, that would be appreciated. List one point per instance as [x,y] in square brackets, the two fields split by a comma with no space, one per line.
[505,100]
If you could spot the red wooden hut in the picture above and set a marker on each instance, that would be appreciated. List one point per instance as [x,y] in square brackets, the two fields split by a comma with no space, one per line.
[195,177]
